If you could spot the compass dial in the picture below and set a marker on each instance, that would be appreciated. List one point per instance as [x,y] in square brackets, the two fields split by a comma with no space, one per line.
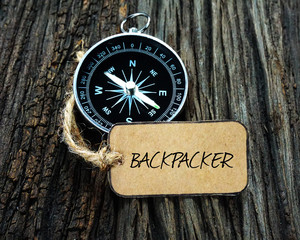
[130,77]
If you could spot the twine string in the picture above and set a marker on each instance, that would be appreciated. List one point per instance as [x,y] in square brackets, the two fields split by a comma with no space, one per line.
[104,157]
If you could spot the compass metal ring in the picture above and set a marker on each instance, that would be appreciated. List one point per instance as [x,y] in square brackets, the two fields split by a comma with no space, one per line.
[134,29]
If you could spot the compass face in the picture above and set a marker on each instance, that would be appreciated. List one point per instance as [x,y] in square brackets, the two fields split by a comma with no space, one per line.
[130,77]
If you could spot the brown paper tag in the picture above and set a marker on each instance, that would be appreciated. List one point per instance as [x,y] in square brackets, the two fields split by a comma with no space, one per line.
[179,158]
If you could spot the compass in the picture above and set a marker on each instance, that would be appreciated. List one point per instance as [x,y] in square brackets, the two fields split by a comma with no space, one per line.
[130,77]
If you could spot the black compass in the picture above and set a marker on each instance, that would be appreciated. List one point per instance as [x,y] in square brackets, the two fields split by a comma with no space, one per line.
[130,77]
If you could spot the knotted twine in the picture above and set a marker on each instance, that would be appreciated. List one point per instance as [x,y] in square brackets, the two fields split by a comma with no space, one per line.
[104,157]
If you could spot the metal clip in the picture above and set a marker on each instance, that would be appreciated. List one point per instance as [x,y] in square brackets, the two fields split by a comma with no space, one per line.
[135,29]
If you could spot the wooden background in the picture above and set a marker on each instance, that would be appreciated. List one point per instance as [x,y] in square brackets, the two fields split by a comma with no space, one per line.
[243,64]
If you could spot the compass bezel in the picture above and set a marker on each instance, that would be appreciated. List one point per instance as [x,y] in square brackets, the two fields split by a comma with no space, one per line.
[132,34]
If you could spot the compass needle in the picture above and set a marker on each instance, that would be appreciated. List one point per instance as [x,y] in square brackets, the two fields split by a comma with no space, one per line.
[140,101]
[146,99]
[115,79]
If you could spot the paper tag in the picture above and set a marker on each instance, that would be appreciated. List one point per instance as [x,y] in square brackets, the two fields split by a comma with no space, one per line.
[179,158]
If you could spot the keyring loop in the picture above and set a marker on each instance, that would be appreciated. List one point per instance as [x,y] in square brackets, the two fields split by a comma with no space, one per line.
[134,29]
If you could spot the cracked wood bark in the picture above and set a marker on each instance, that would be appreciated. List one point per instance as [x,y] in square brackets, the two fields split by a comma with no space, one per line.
[243,64]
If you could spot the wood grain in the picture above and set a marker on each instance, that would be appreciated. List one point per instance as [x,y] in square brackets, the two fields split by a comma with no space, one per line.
[243,64]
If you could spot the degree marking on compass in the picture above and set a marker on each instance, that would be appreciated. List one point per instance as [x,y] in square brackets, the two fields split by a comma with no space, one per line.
[176,73]
[82,87]
[88,73]
[140,46]
[96,60]
[166,115]
[179,88]
[107,50]
[124,45]
[176,103]
[169,60]
[155,51]
[85,102]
